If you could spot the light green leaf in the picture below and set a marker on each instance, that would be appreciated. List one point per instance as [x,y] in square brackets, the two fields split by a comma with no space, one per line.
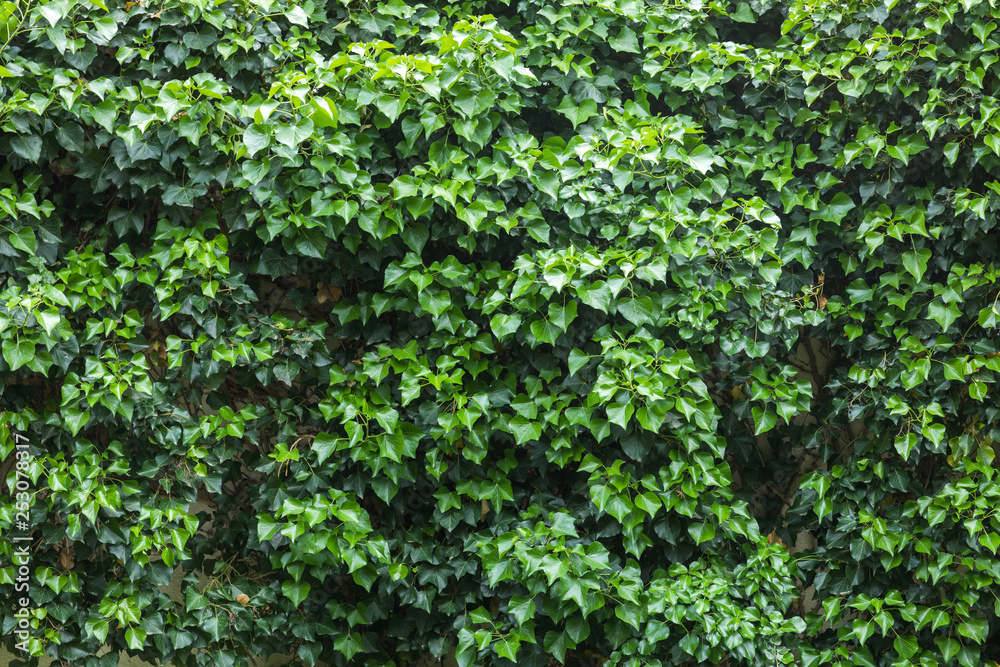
[23,239]
[49,319]
[743,14]
[577,360]
[915,262]
[295,591]
[943,314]
[638,311]
[323,112]
[577,113]
[701,158]
[294,134]
[17,353]
[625,41]
[256,139]
[702,532]
[297,15]
[839,206]
[765,420]
[977,390]
[324,445]
[135,637]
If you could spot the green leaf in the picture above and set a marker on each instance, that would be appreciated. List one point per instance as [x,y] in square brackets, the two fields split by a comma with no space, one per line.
[915,262]
[977,390]
[934,432]
[943,314]
[548,182]
[295,591]
[27,147]
[507,648]
[23,239]
[49,320]
[619,413]
[435,303]
[577,360]
[949,647]
[324,445]
[701,158]
[135,638]
[525,430]
[348,644]
[991,541]
[294,134]
[743,14]
[297,15]
[837,209]
[504,326]
[578,628]
[256,139]
[17,352]
[521,608]
[97,628]
[480,615]
[764,420]
[702,532]
[904,444]
[323,112]
[391,106]
[107,27]
[577,113]
[557,643]
[625,41]
[973,629]
[638,311]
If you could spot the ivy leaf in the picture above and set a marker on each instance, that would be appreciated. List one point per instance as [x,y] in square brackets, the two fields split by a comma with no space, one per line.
[638,311]
[97,628]
[973,629]
[557,643]
[135,638]
[107,27]
[702,532]
[577,113]
[620,414]
[17,353]
[27,147]
[507,648]
[49,320]
[743,14]
[297,16]
[521,608]
[625,41]
[256,139]
[182,195]
[504,326]
[915,262]
[905,444]
[23,239]
[837,209]
[323,112]
[765,420]
[295,591]
[701,158]
[943,314]
[292,135]
[105,114]
[577,360]
[977,390]
[324,445]
[525,430]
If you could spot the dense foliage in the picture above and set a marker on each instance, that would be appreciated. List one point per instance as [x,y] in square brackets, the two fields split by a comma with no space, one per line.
[650,332]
